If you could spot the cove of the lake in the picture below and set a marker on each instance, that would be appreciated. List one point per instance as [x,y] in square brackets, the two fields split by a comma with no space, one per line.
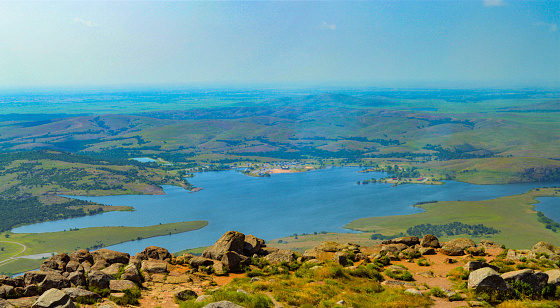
[272,207]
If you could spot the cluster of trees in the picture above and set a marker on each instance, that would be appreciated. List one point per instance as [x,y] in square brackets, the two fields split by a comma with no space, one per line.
[550,224]
[454,228]
[456,153]
[405,172]
[383,142]
[15,212]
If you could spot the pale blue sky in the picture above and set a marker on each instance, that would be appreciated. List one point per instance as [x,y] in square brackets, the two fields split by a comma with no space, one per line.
[353,43]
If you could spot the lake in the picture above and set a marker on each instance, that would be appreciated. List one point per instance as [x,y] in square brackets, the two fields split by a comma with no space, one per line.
[272,207]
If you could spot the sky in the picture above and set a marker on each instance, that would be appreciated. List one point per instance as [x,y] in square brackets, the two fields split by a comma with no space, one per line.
[478,43]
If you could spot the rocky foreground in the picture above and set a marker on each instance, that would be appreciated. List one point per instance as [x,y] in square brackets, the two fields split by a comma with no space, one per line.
[423,272]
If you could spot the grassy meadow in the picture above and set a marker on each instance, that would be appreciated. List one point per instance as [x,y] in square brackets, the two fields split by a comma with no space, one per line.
[89,238]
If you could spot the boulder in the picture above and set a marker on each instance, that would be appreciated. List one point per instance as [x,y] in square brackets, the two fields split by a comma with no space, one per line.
[79,293]
[86,266]
[394,248]
[537,280]
[486,280]
[7,291]
[46,280]
[154,252]
[154,266]
[427,251]
[266,251]
[185,294]
[73,266]
[546,248]
[5,304]
[407,240]
[56,262]
[131,273]
[452,250]
[233,261]
[100,264]
[54,298]
[230,241]
[113,269]
[462,243]
[202,298]
[81,255]
[472,266]
[197,262]
[7,280]
[99,279]
[329,247]
[223,304]
[219,268]
[280,256]
[121,285]
[78,279]
[341,258]
[18,281]
[475,251]
[252,245]
[554,277]
[516,255]
[429,240]
[31,290]
[489,244]
[110,256]
[414,292]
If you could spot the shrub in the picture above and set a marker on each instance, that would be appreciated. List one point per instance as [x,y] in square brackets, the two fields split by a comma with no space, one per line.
[366,272]
[438,292]
[458,273]
[399,274]
[103,292]
[423,262]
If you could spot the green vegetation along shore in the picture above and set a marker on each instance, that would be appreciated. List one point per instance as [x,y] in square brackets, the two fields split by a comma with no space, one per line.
[514,216]
[12,244]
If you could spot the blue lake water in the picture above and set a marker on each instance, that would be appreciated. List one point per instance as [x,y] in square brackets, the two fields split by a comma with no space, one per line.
[550,206]
[277,206]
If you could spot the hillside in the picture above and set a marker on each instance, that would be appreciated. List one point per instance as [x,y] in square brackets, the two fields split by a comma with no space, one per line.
[242,271]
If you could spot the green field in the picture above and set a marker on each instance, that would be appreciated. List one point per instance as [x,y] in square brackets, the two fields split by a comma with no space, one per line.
[514,216]
[69,241]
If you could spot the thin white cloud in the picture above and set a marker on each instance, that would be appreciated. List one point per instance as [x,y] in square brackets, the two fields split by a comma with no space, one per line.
[551,27]
[326,26]
[87,23]
[494,3]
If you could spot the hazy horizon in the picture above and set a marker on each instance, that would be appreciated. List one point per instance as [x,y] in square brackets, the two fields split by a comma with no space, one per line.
[385,44]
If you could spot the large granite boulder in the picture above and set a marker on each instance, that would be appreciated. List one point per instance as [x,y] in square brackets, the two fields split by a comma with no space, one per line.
[546,248]
[407,240]
[154,266]
[54,298]
[57,262]
[472,266]
[154,252]
[110,256]
[79,293]
[99,279]
[234,261]
[429,240]
[197,262]
[121,285]
[252,245]
[81,255]
[131,273]
[77,279]
[486,280]
[394,248]
[5,304]
[554,277]
[462,243]
[280,256]
[452,250]
[46,280]
[537,280]
[230,241]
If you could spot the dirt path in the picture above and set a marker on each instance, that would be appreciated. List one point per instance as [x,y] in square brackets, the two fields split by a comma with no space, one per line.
[14,257]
